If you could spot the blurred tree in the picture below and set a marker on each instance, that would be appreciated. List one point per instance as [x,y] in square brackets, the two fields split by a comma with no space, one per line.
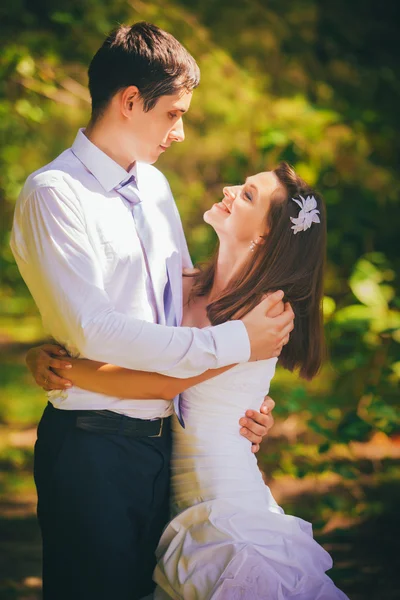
[309,81]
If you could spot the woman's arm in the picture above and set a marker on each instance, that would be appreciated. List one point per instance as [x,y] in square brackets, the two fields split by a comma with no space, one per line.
[124,383]
[44,360]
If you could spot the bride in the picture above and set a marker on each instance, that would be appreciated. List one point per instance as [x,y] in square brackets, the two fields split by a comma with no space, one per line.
[228,538]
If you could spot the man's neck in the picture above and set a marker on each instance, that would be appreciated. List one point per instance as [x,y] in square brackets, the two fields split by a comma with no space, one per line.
[108,139]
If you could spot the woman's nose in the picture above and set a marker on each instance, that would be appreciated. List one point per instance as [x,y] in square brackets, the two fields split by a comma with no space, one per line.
[229,193]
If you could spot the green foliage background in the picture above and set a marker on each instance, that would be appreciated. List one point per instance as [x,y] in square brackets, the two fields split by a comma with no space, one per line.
[313,82]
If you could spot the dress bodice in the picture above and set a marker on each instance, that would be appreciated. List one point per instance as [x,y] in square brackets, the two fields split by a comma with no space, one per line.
[210,458]
[228,395]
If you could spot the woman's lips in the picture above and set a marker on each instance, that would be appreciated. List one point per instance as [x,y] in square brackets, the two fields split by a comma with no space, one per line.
[222,207]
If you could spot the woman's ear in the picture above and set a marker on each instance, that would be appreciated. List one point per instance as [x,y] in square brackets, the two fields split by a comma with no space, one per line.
[261,239]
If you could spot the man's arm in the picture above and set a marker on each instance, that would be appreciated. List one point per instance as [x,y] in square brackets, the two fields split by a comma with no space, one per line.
[60,267]
[63,273]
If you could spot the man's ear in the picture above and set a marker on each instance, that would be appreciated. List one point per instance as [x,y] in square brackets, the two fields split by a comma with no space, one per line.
[129,97]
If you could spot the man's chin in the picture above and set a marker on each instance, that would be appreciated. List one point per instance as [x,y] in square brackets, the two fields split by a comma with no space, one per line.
[148,158]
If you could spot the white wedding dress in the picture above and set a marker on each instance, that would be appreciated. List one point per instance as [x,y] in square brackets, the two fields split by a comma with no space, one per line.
[228,538]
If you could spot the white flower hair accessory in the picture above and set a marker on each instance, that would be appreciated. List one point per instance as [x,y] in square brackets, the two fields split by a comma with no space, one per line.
[307,215]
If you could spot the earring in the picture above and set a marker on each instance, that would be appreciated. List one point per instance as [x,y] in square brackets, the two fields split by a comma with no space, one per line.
[253,246]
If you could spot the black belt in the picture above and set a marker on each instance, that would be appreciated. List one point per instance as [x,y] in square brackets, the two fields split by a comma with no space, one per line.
[107,421]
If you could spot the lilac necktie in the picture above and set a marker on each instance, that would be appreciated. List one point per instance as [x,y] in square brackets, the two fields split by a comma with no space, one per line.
[130,192]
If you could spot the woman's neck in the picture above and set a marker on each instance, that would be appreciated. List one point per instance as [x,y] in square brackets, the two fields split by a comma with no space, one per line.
[228,264]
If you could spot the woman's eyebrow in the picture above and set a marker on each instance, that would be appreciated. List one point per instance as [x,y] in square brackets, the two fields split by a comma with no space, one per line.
[251,185]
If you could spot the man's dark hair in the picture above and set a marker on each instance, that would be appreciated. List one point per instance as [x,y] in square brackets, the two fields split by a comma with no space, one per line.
[145,56]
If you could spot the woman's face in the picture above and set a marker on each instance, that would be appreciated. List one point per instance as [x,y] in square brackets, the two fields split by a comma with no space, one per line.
[240,217]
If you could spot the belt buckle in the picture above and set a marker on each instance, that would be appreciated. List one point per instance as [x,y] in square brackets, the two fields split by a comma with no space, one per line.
[160,432]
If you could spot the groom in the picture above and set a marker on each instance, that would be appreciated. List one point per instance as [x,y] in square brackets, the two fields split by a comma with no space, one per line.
[99,242]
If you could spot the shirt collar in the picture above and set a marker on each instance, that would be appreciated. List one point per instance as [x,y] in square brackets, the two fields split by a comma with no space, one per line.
[107,172]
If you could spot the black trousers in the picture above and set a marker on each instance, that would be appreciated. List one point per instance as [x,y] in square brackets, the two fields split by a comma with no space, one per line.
[103,501]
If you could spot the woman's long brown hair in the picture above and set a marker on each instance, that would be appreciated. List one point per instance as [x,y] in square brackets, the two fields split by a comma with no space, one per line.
[285,261]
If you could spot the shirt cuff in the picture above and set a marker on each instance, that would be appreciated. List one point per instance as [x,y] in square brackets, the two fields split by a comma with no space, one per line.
[232,343]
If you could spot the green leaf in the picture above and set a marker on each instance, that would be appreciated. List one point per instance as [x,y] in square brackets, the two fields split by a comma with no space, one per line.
[353,428]
[354,313]
[63,18]
[364,284]
[325,447]
[380,414]
[346,471]
[318,428]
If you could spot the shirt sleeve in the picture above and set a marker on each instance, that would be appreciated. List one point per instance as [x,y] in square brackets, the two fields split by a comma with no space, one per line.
[59,265]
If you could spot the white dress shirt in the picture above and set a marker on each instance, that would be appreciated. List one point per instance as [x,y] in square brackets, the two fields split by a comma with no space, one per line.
[76,246]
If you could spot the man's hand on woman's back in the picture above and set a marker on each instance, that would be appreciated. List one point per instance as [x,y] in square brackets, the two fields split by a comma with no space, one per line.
[256,425]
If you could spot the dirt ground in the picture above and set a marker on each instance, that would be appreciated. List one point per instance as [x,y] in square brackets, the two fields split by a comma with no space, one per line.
[365,551]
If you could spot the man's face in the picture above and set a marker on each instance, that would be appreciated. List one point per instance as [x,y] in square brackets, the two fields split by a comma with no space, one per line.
[151,133]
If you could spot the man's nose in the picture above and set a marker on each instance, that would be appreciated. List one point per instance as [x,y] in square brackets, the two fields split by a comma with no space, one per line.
[177,133]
